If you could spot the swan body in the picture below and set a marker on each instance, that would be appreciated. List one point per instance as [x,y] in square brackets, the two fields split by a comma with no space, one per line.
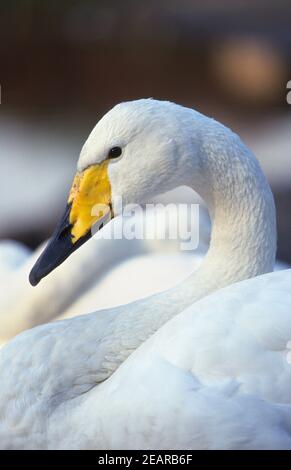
[217,376]
[75,376]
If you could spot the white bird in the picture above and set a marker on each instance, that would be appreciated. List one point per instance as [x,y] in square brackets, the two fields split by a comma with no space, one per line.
[213,375]
[217,376]
[80,286]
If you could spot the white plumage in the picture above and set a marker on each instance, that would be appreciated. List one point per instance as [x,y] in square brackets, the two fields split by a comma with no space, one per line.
[215,377]
[209,373]
[125,270]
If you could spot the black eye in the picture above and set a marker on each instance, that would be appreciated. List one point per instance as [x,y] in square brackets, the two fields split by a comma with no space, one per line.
[115,152]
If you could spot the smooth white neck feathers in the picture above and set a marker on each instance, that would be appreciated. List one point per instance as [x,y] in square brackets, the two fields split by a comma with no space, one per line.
[166,145]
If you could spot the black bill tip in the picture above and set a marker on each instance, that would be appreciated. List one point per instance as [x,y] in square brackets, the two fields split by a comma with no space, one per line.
[58,249]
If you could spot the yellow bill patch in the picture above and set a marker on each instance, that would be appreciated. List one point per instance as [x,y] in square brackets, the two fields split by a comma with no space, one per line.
[90,197]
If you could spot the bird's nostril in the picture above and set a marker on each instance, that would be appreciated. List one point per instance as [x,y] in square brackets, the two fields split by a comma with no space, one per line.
[65,232]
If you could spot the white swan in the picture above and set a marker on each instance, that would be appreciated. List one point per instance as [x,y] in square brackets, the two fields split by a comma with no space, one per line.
[217,376]
[80,286]
[56,401]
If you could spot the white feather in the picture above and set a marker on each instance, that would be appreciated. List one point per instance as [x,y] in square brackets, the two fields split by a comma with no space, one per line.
[210,373]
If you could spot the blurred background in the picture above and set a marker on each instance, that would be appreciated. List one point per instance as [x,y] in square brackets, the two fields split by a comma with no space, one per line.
[65,63]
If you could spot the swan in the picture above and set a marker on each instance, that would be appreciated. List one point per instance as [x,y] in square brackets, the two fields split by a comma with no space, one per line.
[217,376]
[72,290]
[61,398]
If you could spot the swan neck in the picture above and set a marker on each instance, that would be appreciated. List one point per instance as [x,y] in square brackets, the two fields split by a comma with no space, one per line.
[241,208]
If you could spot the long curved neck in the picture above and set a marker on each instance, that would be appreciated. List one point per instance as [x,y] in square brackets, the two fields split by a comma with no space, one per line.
[242,211]
[243,240]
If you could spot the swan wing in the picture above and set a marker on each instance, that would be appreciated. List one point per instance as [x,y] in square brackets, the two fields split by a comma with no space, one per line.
[218,376]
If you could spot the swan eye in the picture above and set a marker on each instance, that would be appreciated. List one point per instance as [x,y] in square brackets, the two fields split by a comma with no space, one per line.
[114,152]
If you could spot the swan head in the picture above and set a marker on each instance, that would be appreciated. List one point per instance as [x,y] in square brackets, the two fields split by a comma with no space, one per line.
[138,150]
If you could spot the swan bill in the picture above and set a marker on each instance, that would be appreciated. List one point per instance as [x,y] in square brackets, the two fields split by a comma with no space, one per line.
[88,206]
[90,198]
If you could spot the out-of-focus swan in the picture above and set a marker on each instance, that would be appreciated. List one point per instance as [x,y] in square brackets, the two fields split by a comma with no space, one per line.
[159,265]
[218,386]
[22,307]
[80,285]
